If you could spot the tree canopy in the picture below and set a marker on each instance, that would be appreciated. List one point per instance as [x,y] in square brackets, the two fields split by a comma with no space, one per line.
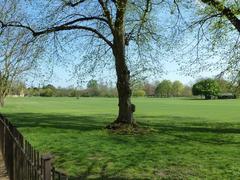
[215,25]
[207,88]
[164,89]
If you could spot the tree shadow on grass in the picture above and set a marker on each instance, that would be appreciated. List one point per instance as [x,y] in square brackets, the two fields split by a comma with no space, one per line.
[189,124]
[179,126]
[183,129]
[102,175]
[58,121]
[194,129]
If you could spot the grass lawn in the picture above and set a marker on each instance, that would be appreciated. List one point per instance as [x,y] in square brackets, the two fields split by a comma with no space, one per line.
[190,139]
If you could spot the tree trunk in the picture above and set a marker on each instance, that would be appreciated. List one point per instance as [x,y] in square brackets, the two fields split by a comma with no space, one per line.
[207,97]
[126,109]
[2,101]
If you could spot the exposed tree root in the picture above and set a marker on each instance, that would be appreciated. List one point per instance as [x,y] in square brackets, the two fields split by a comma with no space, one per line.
[124,128]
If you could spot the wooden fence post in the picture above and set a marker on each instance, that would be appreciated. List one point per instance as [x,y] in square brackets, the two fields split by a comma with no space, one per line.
[21,160]
[4,141]
[47,166]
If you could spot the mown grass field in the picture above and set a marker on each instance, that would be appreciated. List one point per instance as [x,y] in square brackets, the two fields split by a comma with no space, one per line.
[189,139]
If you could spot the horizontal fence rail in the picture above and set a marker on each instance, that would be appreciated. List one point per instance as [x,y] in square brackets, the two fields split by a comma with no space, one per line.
[22,161]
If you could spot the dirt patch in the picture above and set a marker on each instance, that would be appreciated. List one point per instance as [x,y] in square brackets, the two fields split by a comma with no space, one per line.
[3,172]
[178,172]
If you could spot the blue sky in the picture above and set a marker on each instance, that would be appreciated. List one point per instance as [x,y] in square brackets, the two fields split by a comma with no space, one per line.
[62,76]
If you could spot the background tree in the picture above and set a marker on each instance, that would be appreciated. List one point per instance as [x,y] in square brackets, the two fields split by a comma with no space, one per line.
[149,89]
[48,91]
[177,88]
[138,88]
[139,93]
[225,86]
[50,86]
[92,88]
[164,89]
[187,91]
[207,88]
[92,84]
[33,91]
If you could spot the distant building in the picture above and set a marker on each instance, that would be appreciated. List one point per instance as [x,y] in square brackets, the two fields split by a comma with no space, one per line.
[22,94]
[227,96]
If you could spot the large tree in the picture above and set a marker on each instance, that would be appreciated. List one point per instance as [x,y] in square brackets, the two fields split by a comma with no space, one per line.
[212,37]
[114,22]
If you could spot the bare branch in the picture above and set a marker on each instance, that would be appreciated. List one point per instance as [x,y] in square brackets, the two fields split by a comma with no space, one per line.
[87,19]
[73,27]
[61,28]
[107,14]
[73,4]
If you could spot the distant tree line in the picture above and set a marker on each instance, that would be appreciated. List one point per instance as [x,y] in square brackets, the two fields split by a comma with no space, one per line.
[166,88]
[205,88]
[95,89]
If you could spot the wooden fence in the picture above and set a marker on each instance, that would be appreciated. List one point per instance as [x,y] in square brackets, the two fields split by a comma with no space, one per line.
[22,161]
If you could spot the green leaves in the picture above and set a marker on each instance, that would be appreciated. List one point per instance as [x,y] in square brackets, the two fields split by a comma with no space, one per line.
[207,88]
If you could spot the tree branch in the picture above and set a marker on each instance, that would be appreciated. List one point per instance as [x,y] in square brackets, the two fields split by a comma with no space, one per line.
[107,14]
[143,19]
[71,4]
[225,11]
[61,28]
[73,27]
[86,19]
